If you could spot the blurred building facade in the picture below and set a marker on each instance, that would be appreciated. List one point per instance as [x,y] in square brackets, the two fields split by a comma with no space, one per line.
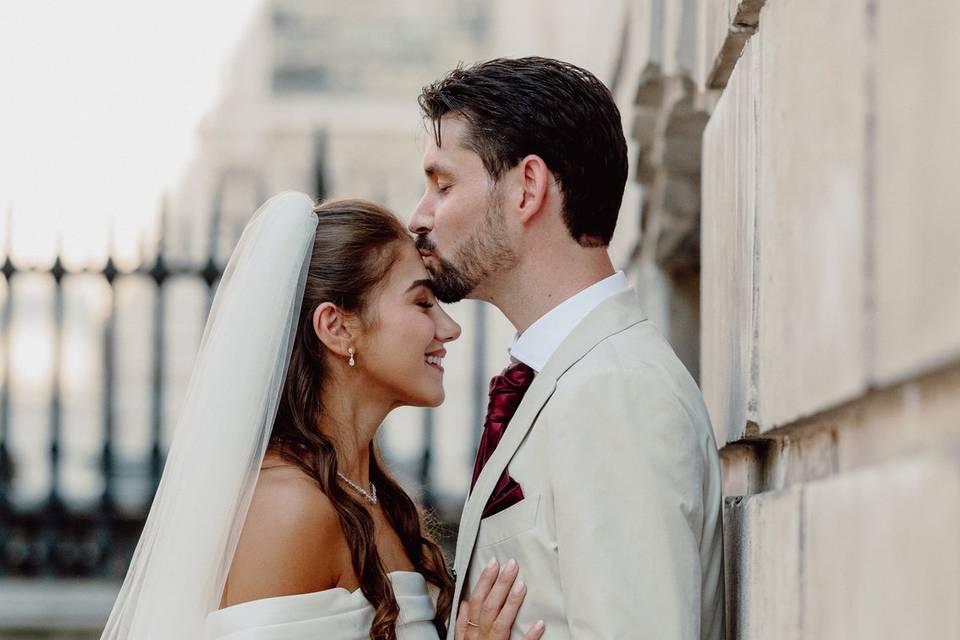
[790,222]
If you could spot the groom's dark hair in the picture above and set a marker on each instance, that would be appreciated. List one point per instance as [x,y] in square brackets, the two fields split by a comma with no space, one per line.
[550,108]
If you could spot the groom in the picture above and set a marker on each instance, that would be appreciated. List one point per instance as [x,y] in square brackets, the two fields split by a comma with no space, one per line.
[598,469]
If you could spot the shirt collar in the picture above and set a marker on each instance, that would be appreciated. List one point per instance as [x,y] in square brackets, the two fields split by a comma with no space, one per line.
[534,346]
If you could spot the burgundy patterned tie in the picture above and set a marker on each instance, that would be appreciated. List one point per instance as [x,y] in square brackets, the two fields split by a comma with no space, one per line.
[506,392]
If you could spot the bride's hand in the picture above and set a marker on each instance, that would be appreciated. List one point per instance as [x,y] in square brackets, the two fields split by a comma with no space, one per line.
[493,606]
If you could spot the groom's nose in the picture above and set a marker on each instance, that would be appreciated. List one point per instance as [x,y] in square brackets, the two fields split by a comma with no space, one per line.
[421,222]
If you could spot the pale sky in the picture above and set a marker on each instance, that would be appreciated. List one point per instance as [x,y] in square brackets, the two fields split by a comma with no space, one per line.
[99,102]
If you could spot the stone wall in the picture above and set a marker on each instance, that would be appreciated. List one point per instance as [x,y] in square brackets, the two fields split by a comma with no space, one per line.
[826,232]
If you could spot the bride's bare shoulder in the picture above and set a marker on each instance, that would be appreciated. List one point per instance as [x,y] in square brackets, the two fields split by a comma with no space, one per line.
[291,540]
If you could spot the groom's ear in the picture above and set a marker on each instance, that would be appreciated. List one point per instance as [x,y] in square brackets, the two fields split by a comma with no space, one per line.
[535,181]
[335,328]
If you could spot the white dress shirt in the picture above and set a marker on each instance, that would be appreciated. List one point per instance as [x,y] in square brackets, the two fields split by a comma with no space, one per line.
[534,346]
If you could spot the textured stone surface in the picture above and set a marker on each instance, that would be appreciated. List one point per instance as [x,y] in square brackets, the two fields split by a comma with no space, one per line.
[902,421]
[784,221]
[916,229]
[880,557]
[727,252]
[867,554]
[810,211]
[917,415]
[830,234]
[763,566]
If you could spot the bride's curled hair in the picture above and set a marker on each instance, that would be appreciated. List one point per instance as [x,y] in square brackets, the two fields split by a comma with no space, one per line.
[356,243]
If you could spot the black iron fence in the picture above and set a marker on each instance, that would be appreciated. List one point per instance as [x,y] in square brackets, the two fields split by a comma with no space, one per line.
[54,537]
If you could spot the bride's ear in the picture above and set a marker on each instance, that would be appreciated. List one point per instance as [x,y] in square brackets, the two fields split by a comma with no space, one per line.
[335,328]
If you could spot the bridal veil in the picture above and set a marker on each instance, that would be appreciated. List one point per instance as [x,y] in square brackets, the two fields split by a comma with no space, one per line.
[181,561]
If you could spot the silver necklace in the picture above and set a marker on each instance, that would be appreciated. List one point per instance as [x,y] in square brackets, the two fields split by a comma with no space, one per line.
[370,497]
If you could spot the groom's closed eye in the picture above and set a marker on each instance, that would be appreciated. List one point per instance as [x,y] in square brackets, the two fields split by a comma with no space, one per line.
[437,172]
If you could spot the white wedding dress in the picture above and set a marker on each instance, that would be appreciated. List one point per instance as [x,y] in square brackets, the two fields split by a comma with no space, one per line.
[334,614]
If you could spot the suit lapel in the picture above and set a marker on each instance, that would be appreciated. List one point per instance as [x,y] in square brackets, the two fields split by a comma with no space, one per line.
[535,397]
[612,316]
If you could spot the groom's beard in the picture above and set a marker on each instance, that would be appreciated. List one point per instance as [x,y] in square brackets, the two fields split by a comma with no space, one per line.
[483,253]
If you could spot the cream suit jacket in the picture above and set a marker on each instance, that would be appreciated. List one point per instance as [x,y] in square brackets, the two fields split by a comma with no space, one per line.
[619,532]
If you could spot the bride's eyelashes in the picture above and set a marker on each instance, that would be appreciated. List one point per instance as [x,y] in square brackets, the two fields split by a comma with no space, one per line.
[425,305]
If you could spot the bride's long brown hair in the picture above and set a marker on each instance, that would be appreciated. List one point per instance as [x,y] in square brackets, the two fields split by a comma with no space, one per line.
[356,243]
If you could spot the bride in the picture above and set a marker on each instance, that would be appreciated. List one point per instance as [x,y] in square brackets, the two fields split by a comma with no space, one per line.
[276,518]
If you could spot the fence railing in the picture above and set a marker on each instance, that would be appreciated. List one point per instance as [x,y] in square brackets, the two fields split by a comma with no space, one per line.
[53,537]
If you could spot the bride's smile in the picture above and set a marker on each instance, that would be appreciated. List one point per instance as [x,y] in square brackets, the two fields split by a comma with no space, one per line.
[400,343]
[435,359]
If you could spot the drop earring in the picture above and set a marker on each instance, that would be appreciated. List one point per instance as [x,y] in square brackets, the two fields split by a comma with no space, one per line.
[352,361]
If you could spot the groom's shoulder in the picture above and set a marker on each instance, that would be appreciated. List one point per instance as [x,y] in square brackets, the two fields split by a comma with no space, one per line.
[638,352]
[631,367]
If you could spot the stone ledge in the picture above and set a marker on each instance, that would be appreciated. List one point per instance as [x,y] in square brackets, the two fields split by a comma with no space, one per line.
[901,420]
[727,35]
